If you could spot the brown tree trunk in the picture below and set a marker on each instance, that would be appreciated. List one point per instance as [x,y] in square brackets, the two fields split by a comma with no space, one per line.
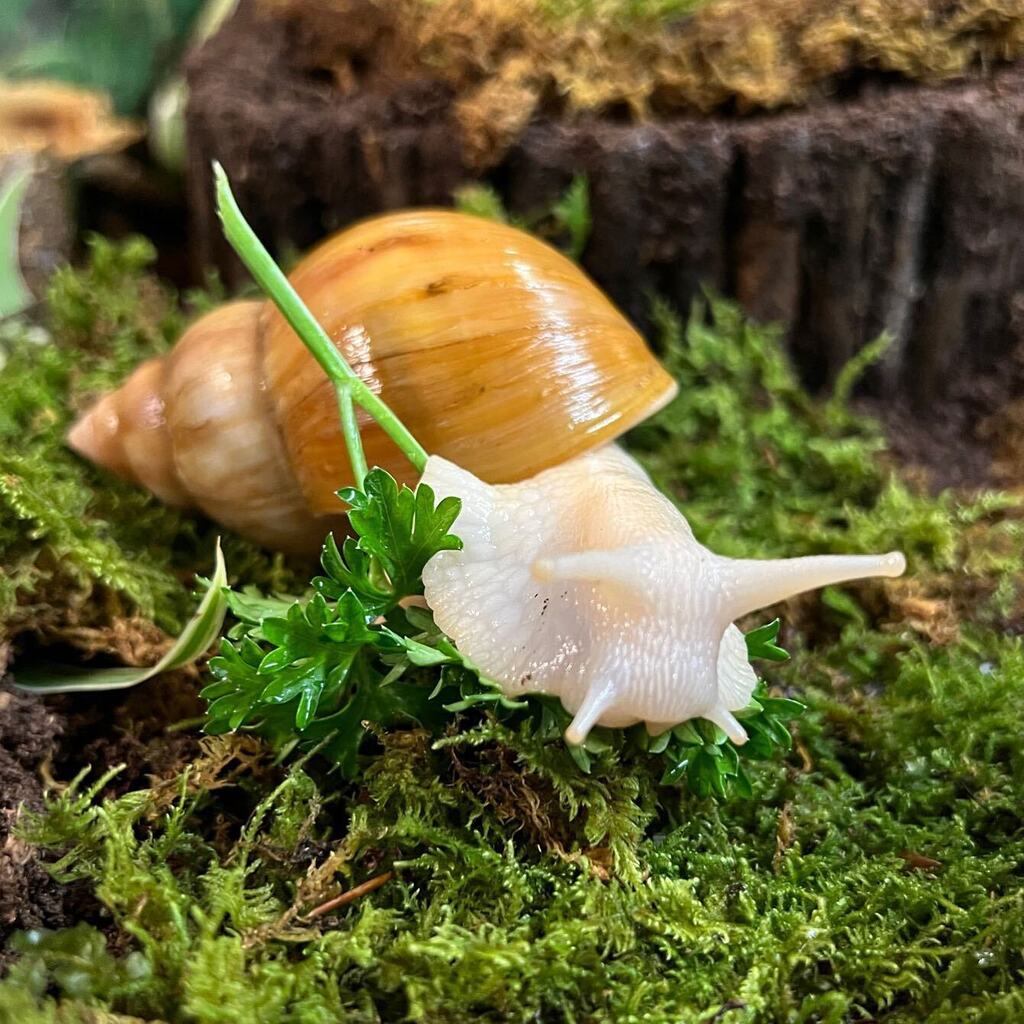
[900,208]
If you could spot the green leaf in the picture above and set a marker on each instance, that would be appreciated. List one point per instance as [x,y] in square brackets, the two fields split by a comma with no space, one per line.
[658,744]
[761,643]
[14,293]
[198,635]
[385,706]
[675,772]
[77,961]
[481,200]
[401,528]
[252,607]
[420,653]
[845,604]
[782,708]
[686,732]
[572,213]
[351,568]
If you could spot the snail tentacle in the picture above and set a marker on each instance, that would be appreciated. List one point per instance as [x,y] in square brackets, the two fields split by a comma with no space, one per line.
[600,698]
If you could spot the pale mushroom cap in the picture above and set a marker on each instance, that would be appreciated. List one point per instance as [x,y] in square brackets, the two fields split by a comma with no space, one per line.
[587,583]
[68,120]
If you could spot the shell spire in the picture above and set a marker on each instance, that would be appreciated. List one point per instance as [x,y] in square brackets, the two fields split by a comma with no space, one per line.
[196,429]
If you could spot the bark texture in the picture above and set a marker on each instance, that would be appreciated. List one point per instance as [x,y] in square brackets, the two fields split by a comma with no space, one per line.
[894,207]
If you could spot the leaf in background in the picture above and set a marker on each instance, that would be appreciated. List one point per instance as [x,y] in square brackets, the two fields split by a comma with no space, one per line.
[196,638]
[14,293]
[481,200]
[251,607]
[572,214]
[115,46]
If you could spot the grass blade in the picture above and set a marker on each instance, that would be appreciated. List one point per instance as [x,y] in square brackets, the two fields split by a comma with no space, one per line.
[14,293]
[196,638]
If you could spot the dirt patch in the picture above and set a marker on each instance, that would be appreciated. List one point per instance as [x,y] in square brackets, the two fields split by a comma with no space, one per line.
[29,736]
[49,740]
[973,439]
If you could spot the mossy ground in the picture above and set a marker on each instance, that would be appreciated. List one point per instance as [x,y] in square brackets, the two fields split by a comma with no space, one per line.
[646,58]
[876,874]
[86,560]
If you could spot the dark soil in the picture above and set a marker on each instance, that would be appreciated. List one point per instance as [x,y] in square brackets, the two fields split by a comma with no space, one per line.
[963,442]
[46,741]
[303,163]
[29,734]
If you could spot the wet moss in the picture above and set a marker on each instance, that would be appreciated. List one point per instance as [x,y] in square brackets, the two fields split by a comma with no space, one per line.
[876,872]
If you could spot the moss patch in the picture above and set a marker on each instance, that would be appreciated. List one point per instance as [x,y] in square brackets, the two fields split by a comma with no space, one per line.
[874,875]
[87,560]
[644,58]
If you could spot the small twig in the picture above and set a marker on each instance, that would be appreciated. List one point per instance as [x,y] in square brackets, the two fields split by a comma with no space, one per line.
[350,895]
[732,1004]
[785,834]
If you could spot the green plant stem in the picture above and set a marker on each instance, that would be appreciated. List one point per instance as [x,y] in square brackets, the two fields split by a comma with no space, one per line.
[270,278]
[350,428]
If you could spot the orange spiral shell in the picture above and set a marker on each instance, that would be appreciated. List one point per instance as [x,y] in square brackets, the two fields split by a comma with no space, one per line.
[494,349]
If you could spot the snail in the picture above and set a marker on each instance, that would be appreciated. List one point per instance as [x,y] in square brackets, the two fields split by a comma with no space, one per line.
[587,583]
[496,351]
[576,577]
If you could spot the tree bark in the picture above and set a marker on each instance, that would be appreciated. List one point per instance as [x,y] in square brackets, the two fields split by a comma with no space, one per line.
[898,209]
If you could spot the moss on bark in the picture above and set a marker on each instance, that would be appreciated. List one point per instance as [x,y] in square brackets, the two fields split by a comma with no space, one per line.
[648,59]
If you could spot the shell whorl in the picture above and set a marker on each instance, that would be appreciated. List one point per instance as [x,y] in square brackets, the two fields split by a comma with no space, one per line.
[196,428]
[493,348]
[126,432]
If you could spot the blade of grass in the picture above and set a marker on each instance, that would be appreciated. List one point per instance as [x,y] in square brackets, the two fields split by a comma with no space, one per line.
[272,280]
[196,639]
[350,429]
[14,294]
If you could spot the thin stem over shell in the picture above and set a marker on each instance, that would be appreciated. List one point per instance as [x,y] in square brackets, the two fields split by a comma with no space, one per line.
[270,278]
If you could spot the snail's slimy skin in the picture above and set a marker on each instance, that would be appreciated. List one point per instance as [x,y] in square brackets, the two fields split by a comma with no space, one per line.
[587,583]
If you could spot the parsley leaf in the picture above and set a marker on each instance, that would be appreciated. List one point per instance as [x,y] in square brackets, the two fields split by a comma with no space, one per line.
[761,643]
[311,671]
[400,528]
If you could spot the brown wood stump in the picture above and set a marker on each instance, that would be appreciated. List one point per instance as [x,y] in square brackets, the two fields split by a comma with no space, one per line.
[897,207]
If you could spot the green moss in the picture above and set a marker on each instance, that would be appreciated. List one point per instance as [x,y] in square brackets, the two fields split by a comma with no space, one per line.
[801,904]
[77,546]
[874,874]
[618,12]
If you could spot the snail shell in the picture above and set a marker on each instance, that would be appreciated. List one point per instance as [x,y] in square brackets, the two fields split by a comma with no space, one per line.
[495,350]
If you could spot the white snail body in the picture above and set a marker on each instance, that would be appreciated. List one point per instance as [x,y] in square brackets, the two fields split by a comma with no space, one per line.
[587,583]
